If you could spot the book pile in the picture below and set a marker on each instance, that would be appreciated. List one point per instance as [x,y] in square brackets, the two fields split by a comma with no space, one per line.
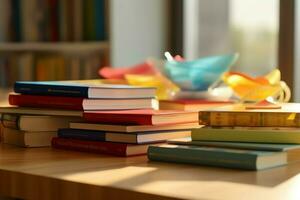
[237,137]
[125,132]
[39,109]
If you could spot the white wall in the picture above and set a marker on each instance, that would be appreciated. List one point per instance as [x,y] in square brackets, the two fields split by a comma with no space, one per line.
[296,86]
[138,29]
[206,28]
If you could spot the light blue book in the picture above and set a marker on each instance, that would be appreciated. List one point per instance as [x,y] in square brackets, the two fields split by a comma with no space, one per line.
[219,157]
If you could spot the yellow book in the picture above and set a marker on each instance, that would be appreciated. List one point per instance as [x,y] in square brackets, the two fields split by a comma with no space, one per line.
[245,134]
[288,115]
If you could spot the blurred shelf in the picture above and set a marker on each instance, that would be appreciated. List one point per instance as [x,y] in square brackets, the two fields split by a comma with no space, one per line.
[54,46]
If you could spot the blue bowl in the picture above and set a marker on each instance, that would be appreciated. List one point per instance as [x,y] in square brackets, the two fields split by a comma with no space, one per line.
[199,74]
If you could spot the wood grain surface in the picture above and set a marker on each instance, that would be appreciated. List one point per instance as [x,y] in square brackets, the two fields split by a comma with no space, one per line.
[45,173]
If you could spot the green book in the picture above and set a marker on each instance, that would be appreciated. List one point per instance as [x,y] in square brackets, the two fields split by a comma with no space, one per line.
[219,157]
[237,145]
[241,134]
[292,150]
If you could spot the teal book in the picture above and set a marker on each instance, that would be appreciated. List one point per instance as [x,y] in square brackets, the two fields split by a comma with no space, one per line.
[237,145]
[217,156]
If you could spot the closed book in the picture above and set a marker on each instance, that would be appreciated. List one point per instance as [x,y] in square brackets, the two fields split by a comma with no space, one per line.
[142,117]
[242,134]
[219,157]
[133,138]
[79,103]
[112,148]
[79,134]
[26,138]
[288,115]
[190,104]
[36,122]
[67,88]
[131,128]
[146,137]
[39,111]
[292,150]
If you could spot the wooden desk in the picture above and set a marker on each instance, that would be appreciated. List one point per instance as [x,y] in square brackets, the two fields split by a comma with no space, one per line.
[45,173]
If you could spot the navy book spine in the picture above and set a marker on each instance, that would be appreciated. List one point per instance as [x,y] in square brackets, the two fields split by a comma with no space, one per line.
[51,90]
[81,134]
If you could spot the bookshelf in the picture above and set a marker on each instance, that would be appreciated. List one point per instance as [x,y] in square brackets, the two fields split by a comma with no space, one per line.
[54,47]
[62,40]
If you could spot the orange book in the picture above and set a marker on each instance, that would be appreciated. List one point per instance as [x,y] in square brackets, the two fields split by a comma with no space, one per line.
[190,104]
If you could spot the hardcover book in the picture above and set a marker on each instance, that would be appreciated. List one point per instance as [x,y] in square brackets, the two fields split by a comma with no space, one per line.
[132,128]
[79,103]
[76,89]
[40,111]
[141,117]
[26,138]
[245,134]
[133,138]
[288,115]
[292,150]
[37,122]
[220,157]
[112,148]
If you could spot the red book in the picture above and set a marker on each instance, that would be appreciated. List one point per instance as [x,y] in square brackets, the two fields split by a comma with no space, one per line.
[36,101]
[116,149]
[79,103]
[141,117]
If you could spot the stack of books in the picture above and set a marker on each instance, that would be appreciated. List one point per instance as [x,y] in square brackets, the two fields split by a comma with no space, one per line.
[125,132]
[39,109]
[238,136]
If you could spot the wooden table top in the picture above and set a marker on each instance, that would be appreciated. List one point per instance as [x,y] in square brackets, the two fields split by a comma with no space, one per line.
[45,173]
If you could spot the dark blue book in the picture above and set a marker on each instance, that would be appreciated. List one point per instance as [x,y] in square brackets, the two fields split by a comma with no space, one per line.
[129,138]
[219,157]
[83,89]
[81,134]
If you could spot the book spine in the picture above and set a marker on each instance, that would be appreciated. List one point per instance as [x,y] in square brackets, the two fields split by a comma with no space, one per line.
[202,157]
[51,90]
[70,103]
[99,19]
[118,118]
[89,33]
[15,20]
[90,146]
[53,20]
[10,121]
[249,119]
[81,134]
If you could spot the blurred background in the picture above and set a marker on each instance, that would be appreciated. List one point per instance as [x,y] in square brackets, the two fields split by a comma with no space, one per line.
[72,39]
